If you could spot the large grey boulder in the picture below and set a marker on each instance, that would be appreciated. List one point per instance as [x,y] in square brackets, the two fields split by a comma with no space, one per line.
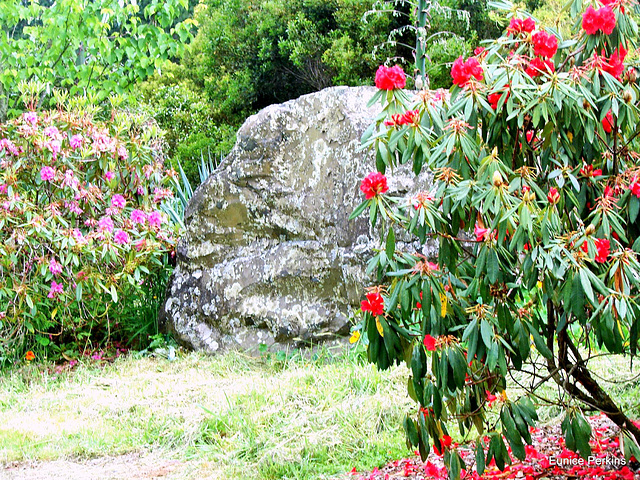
[269,254]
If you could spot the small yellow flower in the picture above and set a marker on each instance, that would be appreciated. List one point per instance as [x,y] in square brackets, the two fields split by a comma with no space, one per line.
[355,336]
[443,303]
[379,326]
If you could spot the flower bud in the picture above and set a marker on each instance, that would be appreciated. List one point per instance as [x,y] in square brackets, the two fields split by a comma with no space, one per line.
[632,76]
[590,230]
[627,96]
[585,104]
[497,179]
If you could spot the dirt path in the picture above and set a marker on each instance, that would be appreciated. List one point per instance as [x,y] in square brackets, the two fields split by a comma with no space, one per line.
[131,466]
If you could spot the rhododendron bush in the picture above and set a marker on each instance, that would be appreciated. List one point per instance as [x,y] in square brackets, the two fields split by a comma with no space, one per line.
[534,207]
[81,229]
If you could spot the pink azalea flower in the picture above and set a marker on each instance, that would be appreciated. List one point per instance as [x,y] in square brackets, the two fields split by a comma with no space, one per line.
[121,237]
[47,174]
[76,141]
[77,235]
[105,224]
[54,267]
[109,176]
[155,219]
[122,153]
[52,132]
[30,117]
[56,289]
[118,201]
[138,216]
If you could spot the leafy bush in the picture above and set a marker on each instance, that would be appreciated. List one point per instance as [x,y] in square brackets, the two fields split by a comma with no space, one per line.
[535,209]
[82,237]
[194,126]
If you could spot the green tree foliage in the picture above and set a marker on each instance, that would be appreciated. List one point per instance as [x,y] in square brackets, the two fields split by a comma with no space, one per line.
[100,45]
[248,55]
[441,31]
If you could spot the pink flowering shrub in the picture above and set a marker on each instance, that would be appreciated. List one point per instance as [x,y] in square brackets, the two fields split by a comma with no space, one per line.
[81,226]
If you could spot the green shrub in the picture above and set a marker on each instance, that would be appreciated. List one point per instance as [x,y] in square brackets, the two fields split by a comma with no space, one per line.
[194,126]
[535,209]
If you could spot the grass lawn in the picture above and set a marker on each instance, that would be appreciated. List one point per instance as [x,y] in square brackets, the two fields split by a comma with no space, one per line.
[231,416]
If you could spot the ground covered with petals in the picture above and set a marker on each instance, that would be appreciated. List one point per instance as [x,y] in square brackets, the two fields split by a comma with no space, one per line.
[547,458]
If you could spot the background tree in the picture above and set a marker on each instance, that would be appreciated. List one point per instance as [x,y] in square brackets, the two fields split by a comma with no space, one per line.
[100,45]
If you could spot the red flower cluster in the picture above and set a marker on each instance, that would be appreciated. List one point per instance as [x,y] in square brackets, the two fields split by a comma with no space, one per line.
[604,249]
[374,304]
[494,98]
[602,19]
[589,171]
[480,52]
[615,66]
[544,44]
[607,122]
[518,25]
[613,4]
[429,343]
[553,196]
[445,441]
[481,233]
[635,187]
[390,78]
[538,66]
[410,117]
[374,184]
[529,136]
[462,71]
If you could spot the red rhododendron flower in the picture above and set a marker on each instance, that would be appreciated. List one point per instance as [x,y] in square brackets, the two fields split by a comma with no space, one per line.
[481,233]
[373,304]
[538,66]
[603,248]
[396,120]
[494,98]
[544,44]
[429,343]
[613,4]
[431,470]
[553,196]
[490,398]
[462,71]
[635,187]
[374,184]
[615,66]
[602,19]
[480,51]
[585,247]
[607,122]
[518,25]
[589,171]
[445,441]
[390,78]
[529,136]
